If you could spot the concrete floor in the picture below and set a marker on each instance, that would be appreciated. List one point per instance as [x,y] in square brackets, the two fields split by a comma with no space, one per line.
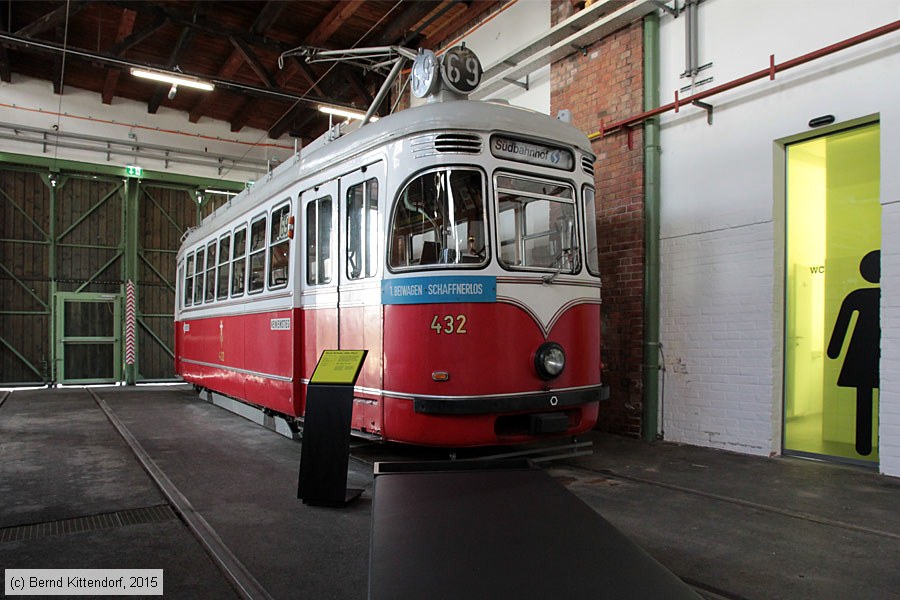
[732,526]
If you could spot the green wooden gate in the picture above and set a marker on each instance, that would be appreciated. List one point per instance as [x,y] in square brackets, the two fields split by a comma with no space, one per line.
[72,236]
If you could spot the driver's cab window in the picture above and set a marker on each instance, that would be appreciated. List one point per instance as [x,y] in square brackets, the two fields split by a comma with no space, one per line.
[536,224]
[439,221]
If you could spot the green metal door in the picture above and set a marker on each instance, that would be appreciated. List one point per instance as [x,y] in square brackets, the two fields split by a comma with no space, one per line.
[89,338]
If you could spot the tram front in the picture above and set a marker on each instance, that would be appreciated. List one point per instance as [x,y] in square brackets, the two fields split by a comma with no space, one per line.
[492,291]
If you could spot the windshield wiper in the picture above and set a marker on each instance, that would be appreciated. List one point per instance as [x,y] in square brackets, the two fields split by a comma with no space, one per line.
[550,278]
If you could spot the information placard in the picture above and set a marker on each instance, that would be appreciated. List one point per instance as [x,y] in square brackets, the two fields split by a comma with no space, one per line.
[325,451]
[338,367]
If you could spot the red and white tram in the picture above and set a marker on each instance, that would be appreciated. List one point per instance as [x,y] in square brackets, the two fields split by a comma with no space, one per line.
[455,241]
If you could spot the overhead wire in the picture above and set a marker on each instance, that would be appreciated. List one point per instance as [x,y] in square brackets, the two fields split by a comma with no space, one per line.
[251,144]
[62,79]
[316,83]
[65,50]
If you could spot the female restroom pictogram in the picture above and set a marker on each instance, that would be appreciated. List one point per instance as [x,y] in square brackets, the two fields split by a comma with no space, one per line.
[860,369]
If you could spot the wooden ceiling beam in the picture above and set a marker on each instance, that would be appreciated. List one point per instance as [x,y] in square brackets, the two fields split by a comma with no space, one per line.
[226,71]
[251,59]
[474,11]
[143,25]
[264,20]
[333,21]
[298,124]
[187,19]
[136,37]
[267,17]
[52,19]
[161,92]
[241,115]
[284,123]
[396,32]
[59,72]
[126,26]
[5,72]
[296,66]
[359,87]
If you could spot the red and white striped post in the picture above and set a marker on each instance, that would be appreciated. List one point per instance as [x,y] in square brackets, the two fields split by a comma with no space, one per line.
[130,322]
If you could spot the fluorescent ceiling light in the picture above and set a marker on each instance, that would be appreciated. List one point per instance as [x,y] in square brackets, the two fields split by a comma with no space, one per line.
[343,112]
[221,192]
[174,79]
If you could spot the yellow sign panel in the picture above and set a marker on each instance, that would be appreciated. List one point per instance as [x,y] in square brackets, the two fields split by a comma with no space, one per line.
[338,367]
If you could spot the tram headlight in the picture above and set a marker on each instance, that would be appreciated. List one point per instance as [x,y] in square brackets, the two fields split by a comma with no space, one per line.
[549,360]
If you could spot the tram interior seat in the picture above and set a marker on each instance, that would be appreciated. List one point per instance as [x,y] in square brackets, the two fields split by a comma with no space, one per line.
[430,253]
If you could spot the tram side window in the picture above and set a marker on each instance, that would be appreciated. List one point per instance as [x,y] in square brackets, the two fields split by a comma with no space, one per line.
[211,272]
[318,241]
[439,220]
[199,276]
[188,291]
[362,229]
[536,225]
[257,255]
[239,262]
[590,231]
[279,250]
[224,255]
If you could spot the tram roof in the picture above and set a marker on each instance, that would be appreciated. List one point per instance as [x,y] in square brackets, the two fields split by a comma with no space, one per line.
[469,115]
[473,115]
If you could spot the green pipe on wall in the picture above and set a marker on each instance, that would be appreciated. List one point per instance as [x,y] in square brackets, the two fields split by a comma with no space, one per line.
[650,428]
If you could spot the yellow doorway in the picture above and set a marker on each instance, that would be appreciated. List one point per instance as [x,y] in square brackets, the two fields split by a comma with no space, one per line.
[832,325]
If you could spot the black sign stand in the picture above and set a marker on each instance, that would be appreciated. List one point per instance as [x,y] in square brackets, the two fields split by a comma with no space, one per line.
[325,448]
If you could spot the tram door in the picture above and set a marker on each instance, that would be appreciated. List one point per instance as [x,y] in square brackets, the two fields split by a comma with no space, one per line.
[319,283]
[361,259]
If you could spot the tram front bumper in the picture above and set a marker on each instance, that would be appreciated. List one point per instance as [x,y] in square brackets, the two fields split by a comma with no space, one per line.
[508,403]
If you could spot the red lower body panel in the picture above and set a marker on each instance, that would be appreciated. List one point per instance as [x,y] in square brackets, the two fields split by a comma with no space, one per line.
[436,374]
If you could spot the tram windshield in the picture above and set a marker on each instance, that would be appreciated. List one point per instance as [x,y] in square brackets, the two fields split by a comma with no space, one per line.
[536,224]
[439,220]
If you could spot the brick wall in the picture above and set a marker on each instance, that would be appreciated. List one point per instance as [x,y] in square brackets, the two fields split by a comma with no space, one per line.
[603,85]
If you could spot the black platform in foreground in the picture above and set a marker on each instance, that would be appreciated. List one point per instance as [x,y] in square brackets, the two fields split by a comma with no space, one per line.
[456,530]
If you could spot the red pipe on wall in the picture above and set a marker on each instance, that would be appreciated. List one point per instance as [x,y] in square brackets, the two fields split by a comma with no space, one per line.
[767,72]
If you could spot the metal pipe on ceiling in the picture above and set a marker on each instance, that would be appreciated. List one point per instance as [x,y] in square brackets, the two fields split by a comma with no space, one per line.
[135,150]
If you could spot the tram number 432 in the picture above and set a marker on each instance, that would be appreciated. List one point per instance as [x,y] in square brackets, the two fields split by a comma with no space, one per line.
[449,324]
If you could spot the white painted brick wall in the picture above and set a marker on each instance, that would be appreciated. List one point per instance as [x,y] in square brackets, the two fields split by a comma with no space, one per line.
[889,398]
[722,225]
[716,331]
